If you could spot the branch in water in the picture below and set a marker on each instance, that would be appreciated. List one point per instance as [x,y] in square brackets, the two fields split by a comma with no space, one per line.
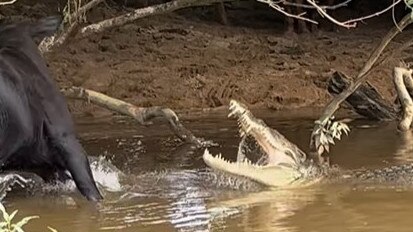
[141,114]
[403,80]
[360,79]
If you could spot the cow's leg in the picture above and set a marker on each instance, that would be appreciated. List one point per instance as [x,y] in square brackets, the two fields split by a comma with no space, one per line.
[76,162]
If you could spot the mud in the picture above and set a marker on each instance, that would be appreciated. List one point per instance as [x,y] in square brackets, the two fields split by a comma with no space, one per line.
[188,60]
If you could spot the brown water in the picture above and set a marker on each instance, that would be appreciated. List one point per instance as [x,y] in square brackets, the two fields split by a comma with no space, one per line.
[178,200]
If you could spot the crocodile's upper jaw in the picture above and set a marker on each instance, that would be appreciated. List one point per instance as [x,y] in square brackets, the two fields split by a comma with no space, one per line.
[284,161]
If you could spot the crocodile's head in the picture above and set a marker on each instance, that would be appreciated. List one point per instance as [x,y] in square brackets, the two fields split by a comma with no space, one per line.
[282,163]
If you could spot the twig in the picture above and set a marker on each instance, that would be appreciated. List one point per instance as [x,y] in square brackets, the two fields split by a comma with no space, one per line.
[325,14]
[373,15]
[349,23]
[333,7]
[278,8]
[141,114]
[334,104]
[8,2]
[88,6]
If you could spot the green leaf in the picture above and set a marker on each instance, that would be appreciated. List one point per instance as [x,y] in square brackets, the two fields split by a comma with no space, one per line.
[12,215]
[52,229]
[2,209]
[24,221]
[3,224]
[17,229]
[330,139]
[323,139]
[317,141]
[320,150]
[327,147]
[335,125]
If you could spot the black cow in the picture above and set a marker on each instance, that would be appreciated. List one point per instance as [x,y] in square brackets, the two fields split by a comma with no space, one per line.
[36,129]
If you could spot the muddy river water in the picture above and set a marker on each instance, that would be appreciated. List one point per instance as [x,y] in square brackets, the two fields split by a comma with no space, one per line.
[166,190]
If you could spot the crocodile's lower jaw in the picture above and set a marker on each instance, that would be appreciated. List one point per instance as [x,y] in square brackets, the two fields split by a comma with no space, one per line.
[271,176]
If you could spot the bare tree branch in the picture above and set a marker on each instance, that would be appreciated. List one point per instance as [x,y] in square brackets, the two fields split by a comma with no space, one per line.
[143,12]
[60,37]
[333,7]
[373,15]
[361,77]
[322,10]
[88,6]
[278,8]
[8,2]
[349,23]
[141,114]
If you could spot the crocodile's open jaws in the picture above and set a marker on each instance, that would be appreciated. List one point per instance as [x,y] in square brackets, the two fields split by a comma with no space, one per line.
[283,164]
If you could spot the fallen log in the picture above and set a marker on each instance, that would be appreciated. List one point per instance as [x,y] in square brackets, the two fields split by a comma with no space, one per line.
[366,100]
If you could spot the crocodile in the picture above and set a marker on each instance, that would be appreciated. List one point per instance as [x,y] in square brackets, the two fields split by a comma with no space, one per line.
[282,164]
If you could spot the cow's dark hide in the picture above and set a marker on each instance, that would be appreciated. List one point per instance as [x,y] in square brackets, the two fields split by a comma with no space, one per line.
[36,129]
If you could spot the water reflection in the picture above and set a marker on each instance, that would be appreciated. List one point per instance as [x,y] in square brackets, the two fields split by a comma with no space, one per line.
[405,149]
[267,210]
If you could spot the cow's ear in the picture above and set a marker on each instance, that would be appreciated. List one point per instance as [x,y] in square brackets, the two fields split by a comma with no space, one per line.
[45,27]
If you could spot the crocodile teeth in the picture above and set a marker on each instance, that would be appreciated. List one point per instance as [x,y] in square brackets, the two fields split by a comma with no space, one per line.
[235,109]
[241,133]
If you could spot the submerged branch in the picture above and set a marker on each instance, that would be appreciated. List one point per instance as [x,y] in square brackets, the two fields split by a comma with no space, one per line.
[141,114]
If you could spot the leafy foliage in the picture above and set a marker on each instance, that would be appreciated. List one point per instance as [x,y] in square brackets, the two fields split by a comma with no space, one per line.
[6,224]
[325,134]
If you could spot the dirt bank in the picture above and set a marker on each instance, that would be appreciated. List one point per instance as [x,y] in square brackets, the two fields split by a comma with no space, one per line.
[184,61]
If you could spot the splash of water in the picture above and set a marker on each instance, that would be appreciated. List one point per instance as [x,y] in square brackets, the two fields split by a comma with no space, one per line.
[106,175]
[14,180]
[117,186]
